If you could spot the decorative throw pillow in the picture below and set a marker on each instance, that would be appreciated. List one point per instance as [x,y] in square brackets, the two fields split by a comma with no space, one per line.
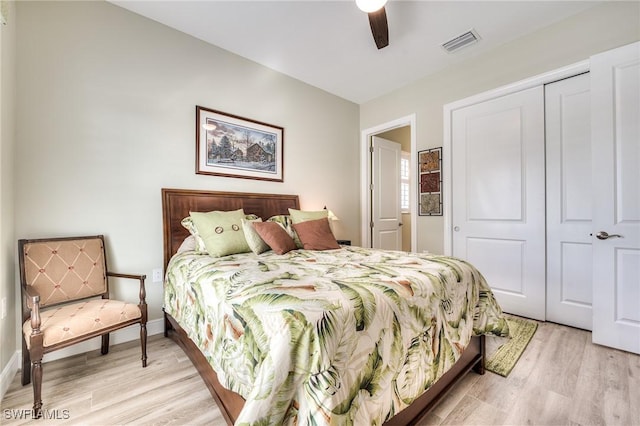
[299,216]
[316,235]
[188,244]
[221,231]
[256,244]
[275,236]
[284,220]
[187,222]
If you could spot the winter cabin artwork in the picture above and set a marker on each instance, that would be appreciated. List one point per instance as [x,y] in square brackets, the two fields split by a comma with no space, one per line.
[234,146]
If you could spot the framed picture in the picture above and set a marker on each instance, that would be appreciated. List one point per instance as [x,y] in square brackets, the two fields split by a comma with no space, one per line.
[233,146]
[430,183]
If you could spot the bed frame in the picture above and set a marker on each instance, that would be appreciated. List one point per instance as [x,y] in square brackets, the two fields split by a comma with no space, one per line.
[177,203]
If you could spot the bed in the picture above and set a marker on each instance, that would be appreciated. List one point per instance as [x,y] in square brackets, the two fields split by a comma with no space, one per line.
[327,373]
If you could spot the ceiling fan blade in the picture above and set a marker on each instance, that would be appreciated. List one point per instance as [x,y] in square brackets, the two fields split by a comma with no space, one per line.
[379,27]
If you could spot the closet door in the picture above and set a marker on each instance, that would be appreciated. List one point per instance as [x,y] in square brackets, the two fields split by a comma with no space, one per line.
[615,114]
[498,196]
[569,201]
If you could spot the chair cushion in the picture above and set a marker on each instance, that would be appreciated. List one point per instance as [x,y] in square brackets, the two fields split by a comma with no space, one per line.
[67,322]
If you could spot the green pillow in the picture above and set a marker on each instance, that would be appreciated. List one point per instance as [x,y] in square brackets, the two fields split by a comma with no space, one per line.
[221,231]
[256,244]
[298,216]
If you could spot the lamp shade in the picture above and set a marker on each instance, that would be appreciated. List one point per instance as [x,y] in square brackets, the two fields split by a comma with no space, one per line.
[370,5]
[330,215]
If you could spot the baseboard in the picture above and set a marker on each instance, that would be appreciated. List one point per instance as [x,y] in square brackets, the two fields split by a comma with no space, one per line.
[9,372]
[120,336]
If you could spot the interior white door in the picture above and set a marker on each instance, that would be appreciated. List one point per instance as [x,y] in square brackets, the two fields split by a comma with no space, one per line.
[569,201]
[498,196]
[385,194]
[615,114]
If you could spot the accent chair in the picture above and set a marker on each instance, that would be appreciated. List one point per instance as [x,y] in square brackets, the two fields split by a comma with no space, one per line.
[65,300]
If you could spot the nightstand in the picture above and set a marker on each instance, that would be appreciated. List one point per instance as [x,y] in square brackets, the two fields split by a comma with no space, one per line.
[344,242]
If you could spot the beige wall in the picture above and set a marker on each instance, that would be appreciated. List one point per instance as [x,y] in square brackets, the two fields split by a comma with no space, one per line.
[8,325]
[105,118]
[575,39]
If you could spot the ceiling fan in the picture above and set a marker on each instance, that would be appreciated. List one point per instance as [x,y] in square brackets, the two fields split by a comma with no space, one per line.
[377,20]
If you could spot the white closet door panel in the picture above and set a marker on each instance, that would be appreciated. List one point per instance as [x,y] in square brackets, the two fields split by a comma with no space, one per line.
[498,196]
[628,290]
[506,275]
[494,168]
[615,110]
[627,124]
[576,286]
[569,201]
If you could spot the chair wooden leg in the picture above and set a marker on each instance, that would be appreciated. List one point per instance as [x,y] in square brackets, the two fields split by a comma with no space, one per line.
[36,373]
[143,343]
[105,344]
[26,364]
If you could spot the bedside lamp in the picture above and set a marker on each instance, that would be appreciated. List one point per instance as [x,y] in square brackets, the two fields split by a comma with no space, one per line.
[332,217]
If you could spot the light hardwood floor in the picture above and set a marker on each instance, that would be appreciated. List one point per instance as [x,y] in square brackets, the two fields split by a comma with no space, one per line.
[561,379]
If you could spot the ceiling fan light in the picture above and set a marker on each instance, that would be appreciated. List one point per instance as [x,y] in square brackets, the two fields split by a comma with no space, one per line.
[370,5]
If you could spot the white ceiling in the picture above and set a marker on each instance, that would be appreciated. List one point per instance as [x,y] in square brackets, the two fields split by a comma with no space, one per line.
[328,44]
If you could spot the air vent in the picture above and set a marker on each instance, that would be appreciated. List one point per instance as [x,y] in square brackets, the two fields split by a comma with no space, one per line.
[461,41]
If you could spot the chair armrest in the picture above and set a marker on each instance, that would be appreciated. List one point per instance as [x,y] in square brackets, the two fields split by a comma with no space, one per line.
[132,276]
[34,297]
[32,294]
[141,278]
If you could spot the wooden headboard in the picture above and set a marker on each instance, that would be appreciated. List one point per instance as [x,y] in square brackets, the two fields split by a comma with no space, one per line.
[177,203]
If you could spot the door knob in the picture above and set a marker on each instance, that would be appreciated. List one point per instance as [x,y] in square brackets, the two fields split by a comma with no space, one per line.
[604,235]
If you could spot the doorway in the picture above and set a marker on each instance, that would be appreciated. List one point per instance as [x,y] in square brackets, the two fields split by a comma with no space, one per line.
[402,131]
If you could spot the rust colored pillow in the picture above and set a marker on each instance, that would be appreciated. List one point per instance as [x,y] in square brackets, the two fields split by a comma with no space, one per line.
[275,236]
[316,235]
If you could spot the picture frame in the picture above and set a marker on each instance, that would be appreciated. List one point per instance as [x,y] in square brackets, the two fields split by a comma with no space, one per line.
[233,146]
[430,182]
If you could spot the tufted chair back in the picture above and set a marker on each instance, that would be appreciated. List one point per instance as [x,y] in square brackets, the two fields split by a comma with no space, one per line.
[65,270]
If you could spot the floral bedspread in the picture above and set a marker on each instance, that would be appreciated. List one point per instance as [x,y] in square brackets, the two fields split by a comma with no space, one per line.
[348,336]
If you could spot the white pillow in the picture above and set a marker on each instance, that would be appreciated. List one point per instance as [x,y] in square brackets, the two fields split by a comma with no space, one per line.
[189,244]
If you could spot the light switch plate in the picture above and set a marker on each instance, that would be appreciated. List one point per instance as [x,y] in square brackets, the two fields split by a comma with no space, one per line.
[157,275]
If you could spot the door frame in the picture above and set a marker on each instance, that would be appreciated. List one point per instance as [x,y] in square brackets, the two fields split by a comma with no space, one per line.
[448,109]
[365,176]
